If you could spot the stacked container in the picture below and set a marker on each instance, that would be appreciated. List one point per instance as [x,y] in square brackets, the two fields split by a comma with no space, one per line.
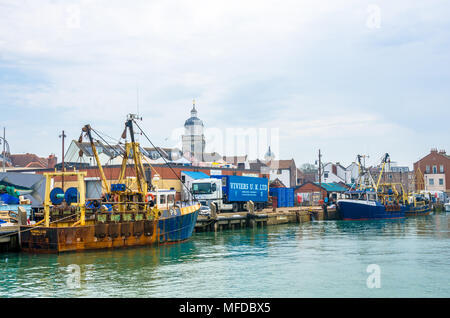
[290,197]
[285,196]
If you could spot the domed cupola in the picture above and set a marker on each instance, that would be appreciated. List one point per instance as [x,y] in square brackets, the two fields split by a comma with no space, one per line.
[194,120]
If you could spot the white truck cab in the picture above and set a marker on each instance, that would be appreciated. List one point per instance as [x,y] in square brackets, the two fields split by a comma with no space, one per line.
[208,191]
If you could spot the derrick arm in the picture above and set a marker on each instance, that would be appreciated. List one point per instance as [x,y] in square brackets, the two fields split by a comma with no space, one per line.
[359,172]
[124,164]
[419,180]
[138,166]
[87,130]
[385,159]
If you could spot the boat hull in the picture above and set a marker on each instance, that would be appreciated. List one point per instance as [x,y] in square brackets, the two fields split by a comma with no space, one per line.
[419,210]
[368,210]
[173,226]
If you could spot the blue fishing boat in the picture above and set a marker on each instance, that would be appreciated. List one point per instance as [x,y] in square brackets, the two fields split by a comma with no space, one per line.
[365,205]
[418,205]
[372,202]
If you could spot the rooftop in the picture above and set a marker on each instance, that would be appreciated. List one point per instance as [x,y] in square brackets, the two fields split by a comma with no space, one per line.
[280,164]
[332,187]
[195,174]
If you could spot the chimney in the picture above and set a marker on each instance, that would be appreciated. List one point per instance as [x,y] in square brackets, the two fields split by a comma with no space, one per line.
[442,152]
[433,150]
[51,161]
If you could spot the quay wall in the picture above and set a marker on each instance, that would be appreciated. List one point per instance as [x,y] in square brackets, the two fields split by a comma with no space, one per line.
[266,217]
[229,221]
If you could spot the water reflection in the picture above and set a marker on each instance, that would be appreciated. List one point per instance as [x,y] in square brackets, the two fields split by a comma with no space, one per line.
[320,258]
[26,274]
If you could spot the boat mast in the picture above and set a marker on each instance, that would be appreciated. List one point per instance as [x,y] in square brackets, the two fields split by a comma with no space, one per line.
[133,148]
[62,136]
[87,129]
[139,168]
[360,172]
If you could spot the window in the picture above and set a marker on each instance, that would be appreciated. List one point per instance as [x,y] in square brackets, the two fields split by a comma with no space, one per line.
[325,175]
[441,181]
[162,199]
[441,168]
[201,188]
[427,169]
[434,169]
[431,181]
[390,176]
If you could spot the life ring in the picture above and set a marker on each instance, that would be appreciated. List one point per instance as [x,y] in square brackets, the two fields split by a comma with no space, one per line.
[151,195]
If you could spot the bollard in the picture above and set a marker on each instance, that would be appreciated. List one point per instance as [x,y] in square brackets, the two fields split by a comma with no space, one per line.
[21,220]
[213,208]
[251,207]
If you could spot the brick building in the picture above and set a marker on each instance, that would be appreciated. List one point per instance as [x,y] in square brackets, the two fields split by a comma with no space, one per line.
[312,192]
[396,175]
[167,178]
[306,176]
[436,171]
[29,160]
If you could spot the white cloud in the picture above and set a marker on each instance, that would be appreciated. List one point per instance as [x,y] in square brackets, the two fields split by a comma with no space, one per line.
[246,63]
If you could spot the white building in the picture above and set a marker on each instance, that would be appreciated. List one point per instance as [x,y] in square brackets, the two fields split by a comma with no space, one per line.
[283,170]
[81,152]
[352,173]
[193,140]
[435,182]
[335,172]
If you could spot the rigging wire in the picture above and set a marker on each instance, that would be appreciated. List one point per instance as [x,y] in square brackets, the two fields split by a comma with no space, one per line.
[123,154]
[167,163]
[111,148]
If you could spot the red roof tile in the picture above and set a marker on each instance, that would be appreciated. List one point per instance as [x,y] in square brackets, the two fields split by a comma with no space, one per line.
[28,160]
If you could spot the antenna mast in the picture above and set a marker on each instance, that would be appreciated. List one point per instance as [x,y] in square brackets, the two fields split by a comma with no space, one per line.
[62,136]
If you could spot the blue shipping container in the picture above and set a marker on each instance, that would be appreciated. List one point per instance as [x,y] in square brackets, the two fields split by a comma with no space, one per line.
[285,196]
[290,197]
[282,198]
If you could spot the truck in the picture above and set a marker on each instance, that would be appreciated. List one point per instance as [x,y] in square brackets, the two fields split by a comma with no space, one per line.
[231,193]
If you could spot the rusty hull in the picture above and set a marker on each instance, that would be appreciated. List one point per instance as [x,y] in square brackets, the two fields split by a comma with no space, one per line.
[90,237]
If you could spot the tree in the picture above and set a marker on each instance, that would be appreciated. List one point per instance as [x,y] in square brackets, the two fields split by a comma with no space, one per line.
[308,167]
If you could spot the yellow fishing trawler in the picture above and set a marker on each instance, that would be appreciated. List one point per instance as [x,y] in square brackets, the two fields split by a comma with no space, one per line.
[124,216]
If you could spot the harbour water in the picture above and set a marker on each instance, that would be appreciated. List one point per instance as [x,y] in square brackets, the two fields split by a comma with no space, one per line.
[316,259]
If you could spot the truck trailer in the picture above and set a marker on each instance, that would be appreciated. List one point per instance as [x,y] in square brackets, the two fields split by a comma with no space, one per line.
[230,193]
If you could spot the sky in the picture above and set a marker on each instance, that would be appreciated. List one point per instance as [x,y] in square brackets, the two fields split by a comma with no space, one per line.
[346,77]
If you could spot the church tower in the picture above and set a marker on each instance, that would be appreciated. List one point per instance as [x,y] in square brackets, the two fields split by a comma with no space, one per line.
[269,156]
[193,139]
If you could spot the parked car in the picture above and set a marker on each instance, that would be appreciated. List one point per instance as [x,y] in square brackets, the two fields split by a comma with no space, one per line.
[204,210]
